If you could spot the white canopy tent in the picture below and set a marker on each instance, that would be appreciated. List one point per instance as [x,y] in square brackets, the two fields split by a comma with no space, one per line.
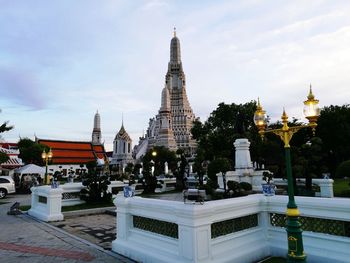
[30,169]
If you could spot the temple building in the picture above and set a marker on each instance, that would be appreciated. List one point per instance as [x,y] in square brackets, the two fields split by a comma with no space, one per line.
[11,150]
[122,149]
[171,127]
[68,156]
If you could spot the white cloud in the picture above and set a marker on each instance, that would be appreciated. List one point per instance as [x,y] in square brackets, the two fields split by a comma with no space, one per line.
[113,56]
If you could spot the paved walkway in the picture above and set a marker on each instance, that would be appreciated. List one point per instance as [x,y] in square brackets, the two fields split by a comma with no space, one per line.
[23,239]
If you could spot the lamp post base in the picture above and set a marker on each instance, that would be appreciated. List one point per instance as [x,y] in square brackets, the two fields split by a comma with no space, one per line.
[295,240]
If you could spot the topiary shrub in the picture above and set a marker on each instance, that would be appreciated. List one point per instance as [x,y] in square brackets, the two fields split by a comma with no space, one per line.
[343,170]
[245,186]
[234,188]
[96,189]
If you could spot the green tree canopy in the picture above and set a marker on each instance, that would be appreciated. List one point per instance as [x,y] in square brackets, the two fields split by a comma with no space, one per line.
[4,128]
[30,151]
[227,123]
[334,130]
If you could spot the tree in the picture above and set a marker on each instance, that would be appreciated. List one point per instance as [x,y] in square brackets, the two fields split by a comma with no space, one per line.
[4,128]
[162,155]
[334,130]
[30,151]
[227,123]
[96,187]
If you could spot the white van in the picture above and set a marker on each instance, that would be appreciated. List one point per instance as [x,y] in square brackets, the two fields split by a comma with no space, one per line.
[7,186]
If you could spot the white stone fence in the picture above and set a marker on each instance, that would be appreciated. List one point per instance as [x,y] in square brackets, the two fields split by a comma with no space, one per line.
[166,184]
[71,191]
[47,202]
[326,185]
[244,229]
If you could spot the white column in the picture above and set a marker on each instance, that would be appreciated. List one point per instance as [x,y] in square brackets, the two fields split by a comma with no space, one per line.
[243,160]
[326,187]
[194,242]
[166,169]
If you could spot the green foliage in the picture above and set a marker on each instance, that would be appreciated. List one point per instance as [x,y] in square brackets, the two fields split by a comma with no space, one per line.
[129,168]
[267,176]
[343,170]
[3,157]
[96,188]
[334,129]
[209,187]
[234,189]
[30,151]
[233,186]
[218,165]
[245,186]
[4,128]
[227,123]
[163,155]
[91,166]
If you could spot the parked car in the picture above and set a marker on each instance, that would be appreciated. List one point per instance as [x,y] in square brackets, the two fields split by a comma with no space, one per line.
[7,186]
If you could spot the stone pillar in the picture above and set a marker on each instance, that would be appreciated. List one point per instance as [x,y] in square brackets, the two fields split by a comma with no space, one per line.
[141,168]
[326,187]
[166,169]
[46,203]
[243,161]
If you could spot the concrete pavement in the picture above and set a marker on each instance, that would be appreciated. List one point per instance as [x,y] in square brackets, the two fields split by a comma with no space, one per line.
[24,239]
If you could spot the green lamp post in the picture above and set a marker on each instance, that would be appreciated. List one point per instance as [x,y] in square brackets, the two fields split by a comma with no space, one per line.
[46,156]
[311,112]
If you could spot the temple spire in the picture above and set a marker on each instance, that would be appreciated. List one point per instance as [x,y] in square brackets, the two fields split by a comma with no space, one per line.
[175,53]
[96,132]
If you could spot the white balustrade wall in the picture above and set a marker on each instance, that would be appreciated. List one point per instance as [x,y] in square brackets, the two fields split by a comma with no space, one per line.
[231,230]
[167,184]
[46,203]
[326,185]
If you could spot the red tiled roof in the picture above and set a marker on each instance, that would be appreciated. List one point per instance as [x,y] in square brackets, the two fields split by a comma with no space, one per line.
[66,145]
[98,148]
[72,152]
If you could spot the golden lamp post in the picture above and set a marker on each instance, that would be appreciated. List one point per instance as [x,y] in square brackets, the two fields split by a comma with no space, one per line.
[153,164]
[46,156]
[311,112]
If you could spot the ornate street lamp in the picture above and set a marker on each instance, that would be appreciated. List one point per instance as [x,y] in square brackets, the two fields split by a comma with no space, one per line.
[46,156]
[312,112]
[154,154]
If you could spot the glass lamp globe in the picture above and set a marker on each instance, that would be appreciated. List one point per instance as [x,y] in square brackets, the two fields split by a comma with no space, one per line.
[260,117]
[311,108]
[43,155]
[49,154]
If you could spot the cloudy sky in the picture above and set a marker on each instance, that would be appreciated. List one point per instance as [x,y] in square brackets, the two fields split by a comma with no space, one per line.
[61,60]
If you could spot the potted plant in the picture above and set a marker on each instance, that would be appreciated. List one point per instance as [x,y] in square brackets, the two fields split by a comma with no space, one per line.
[268,186]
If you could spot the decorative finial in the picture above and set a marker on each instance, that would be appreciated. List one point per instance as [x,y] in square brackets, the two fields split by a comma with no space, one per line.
[174,31]
[311,95]
[284,115]
[259,105]
[122,119]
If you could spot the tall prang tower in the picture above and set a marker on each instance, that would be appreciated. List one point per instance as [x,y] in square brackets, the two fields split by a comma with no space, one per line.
[181,111]
[178,113]
[96,132]
[165,136]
